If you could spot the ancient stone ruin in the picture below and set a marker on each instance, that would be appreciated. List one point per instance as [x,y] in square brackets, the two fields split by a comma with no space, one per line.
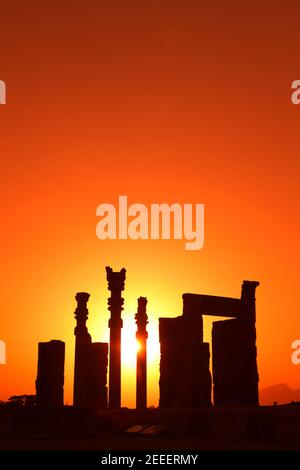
[50,373]
[90,374]
[185,377]
[141,361]
[184,366]
[116,283]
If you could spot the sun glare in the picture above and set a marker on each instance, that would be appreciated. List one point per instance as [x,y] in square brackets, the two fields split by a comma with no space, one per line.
[130,345]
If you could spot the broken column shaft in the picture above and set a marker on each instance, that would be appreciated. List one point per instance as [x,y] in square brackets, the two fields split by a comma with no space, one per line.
[50,375]
[141,362]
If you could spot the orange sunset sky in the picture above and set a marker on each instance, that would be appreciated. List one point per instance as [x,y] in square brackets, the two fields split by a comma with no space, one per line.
[163,101]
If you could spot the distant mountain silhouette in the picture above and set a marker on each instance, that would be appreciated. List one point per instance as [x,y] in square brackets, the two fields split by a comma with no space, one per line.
[281,393]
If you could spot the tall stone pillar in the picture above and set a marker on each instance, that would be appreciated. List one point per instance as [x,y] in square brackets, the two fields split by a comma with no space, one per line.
[248,318]
[50,375]
[97,376]
[82,349]
[116,281]
[141,360]
[90,375]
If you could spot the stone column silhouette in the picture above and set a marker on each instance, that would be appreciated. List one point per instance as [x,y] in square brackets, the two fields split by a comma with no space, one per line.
[141,360]
[116,281]
[90,375]
[248,317]
[50,375]
[82,348]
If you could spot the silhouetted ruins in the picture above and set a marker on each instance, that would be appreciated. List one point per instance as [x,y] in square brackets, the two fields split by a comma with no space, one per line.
[50,373]
[116,281]
[234,353]
[141,361]
[183,352]
[185,377]
[90,373]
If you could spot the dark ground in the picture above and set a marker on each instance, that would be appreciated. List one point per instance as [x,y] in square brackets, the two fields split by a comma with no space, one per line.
[69,428]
